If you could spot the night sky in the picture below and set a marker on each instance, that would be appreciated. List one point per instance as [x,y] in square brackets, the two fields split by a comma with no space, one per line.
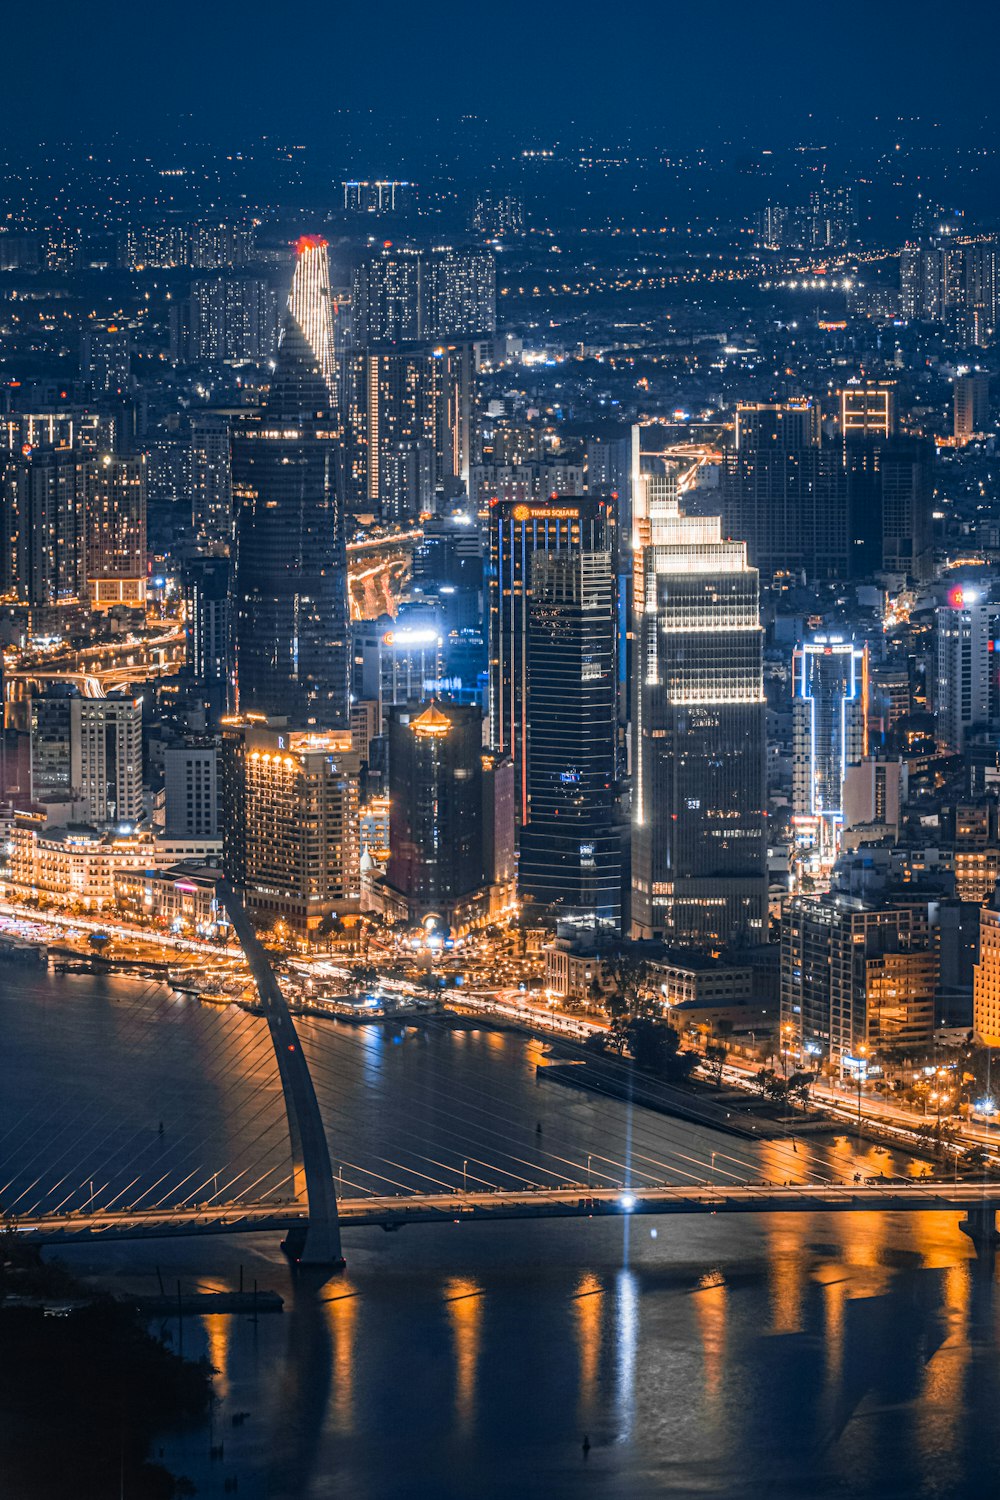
[221,70]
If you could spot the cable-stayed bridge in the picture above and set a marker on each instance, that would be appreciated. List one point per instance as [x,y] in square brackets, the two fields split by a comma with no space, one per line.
[255,1154]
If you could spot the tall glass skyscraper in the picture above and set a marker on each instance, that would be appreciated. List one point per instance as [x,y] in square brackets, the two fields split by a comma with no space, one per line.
[289,575]
[518,532]
[311,304]
[829,733]
[571,850]
[699,867]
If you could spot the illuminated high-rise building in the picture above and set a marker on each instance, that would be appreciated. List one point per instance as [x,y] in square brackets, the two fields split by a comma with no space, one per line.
[42,518]
[115,491]
[965,683]
[784,492]
[436,861]
[518,533]
[290,808]
[829,734]
[699,872]
[571,848]
[289,564]
[400,411]
[311,304]
[971,404]
[867,410]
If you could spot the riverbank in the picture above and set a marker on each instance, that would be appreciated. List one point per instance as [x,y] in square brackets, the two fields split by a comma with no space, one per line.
[85,1388]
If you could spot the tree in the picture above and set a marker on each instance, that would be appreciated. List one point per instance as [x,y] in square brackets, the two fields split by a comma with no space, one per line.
[715,1059]
[977,1157]
[655,1048]
[629,975]
[761,1080]
[799,1085]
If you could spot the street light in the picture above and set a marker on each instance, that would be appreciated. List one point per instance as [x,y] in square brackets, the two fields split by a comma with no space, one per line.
[861,1069]
[465,1175]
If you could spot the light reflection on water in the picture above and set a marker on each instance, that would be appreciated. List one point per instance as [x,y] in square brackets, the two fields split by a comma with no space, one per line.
[782,1355]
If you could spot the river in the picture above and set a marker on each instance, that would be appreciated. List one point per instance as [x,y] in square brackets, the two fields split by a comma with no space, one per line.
[788,1356]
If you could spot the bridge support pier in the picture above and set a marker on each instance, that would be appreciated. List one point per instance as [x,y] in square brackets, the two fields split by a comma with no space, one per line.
[316,1243]
[980,1226]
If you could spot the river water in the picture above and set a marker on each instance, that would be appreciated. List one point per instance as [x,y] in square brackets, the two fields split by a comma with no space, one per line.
[788,1356]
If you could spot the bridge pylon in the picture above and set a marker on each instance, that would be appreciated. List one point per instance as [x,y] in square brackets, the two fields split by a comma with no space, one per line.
[319,1243]
[980,1224]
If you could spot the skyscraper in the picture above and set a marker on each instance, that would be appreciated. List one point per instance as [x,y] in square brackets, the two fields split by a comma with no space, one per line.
[289,565]
[965,684]
[519,532]
[115,491]
[698,839]
[107,734]
[42,514]
[829,734]
[435,808]
[571,856]
[400,411]
[290,804]
[783,491]
[971,402]
[311,304]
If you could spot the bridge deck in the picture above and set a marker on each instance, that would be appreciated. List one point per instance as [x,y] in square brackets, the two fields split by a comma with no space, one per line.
[576,1202]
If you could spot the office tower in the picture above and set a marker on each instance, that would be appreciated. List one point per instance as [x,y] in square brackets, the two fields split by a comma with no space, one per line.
[867,411]
[42,511]
[858,976]
[448,567]
[965,684]
[106,358]
[115,491]
[208,628]
[191,790]
[971,401]
[986,976]
[310,303]
[571,856]
[499,215]
[400,412]
[211,478]
[890,500]
[289,564]
[517,533]
[225,319]
[290,807]
[829,734]
[907,497]
[108,733]
[874,792]
[698,838]
[435,809]
[783,492]
[395,662]
[384,197]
